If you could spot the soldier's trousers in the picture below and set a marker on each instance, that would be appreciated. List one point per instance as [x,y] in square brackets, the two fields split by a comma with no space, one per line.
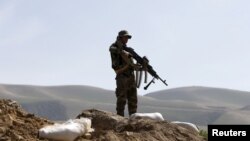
[126,92]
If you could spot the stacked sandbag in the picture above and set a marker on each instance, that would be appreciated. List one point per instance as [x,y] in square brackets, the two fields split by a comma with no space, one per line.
[67,131]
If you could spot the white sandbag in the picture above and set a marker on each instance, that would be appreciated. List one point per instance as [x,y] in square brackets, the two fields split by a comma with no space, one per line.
[187,125]
[154,116]
[67,131]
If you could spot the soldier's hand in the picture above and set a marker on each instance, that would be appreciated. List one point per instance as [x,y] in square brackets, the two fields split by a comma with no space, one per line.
[127,54]
[121,70]
[137,67]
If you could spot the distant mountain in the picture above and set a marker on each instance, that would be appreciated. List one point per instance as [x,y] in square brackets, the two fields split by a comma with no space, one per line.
[246,108]
[68,99]
[199,105]
[214,104]
[47,109]
[205,95]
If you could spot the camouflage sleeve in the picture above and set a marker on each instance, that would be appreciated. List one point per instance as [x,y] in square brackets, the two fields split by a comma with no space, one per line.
[115,53]
[115,48]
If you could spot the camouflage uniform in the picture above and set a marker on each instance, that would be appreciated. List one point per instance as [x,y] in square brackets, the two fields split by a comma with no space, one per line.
[125,82]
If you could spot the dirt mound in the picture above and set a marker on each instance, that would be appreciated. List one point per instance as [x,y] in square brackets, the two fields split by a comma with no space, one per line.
[19,125]
[111,127]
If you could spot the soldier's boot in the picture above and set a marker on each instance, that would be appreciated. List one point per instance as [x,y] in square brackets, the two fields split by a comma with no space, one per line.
[120,106]
[121,113]
[132,109]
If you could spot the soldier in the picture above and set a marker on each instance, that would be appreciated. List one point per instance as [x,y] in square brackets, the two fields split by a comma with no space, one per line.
[126,90]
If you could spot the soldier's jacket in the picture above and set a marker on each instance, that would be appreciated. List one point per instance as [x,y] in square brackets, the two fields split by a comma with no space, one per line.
[116,59]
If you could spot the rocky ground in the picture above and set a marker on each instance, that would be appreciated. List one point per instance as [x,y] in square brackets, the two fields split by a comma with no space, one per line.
[18,125]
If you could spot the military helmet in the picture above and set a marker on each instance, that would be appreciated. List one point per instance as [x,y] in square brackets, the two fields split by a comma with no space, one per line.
[123,33]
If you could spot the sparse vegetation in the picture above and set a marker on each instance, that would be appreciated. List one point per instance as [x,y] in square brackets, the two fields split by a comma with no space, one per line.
[204,134]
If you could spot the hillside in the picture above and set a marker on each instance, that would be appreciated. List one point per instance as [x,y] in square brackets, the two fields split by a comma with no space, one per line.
[199,105]
[216,105]
[218,97]
[67,101]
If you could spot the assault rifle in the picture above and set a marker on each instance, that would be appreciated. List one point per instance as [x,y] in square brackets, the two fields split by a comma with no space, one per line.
[142,61]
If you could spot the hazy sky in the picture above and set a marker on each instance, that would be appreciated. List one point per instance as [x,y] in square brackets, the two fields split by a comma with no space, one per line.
[66,42]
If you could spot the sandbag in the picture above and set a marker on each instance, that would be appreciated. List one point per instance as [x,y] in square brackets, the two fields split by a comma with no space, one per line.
[187,125]
[154,116]
[67,131]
